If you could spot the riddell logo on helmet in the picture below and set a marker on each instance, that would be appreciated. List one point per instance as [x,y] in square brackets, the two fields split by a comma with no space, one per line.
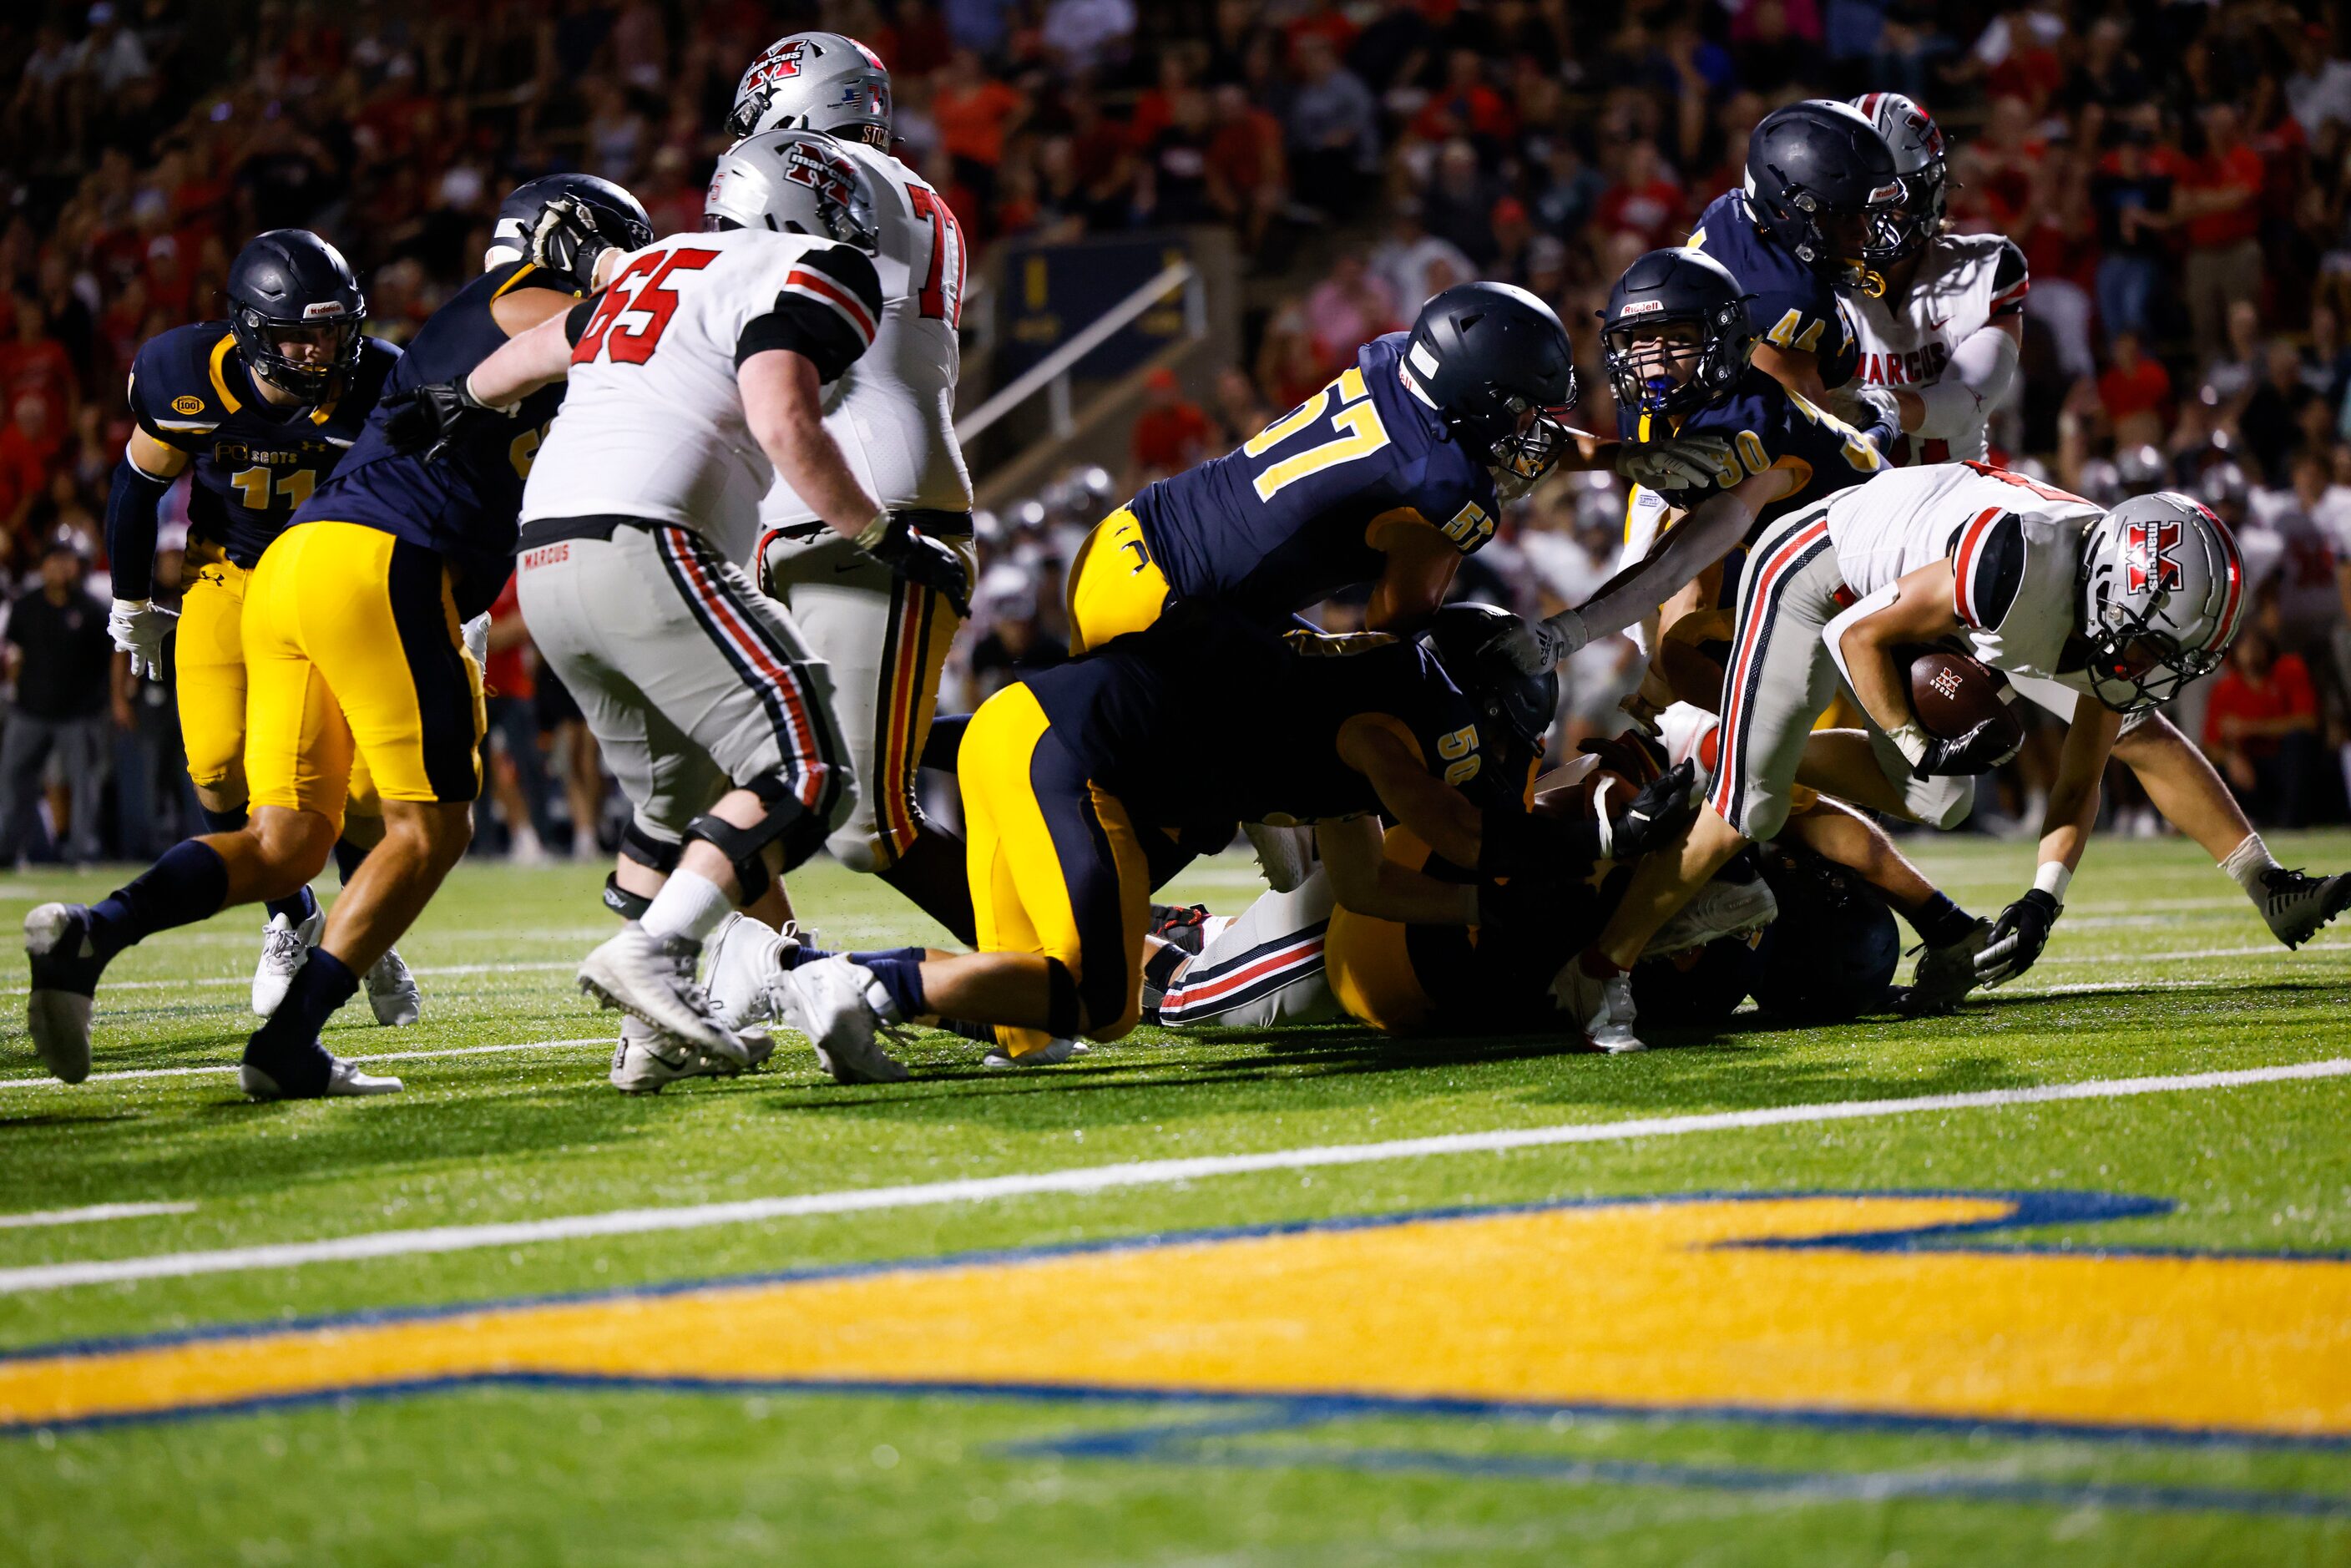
[2146,551]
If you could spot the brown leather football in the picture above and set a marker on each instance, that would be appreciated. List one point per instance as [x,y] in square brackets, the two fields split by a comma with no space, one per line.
[1952,694]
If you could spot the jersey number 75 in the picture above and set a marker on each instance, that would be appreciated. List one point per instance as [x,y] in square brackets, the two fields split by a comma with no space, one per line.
[1357,424]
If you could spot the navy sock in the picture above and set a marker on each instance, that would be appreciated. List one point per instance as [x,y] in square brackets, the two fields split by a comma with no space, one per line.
[793,957]
[224,821]
[348,856]
[901,977]
[286,1047]
[1941,922]
[188,884]
[303,904]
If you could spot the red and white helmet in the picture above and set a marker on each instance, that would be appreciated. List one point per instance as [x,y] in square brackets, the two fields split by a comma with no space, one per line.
[1921,162]
[792,181]
[814,81]
[2163,592]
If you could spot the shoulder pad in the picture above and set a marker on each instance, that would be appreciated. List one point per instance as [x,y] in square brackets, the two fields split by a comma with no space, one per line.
[170,391]
[842,277]
[1988,568]
[2011,281]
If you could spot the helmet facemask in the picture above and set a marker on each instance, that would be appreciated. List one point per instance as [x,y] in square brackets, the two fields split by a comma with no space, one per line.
[1919,218]
[2135,665]
[1529,448]
[1866,240]
[333,340]
[1641,360]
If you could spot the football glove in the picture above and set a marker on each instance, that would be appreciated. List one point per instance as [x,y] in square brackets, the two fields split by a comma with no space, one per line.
[431,417]
[477,633]
[1653,815]
[919,559]
[1680,463]
[1864,404]
[1979,750]
[1534,646]
[2017,938]
[565,240]
[138,627]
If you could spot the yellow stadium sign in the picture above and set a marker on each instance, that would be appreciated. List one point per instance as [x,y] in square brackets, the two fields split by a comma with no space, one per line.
[1877,1306]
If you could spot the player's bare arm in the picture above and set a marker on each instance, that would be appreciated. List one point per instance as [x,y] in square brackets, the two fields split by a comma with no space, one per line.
[1445,819]
[1420,566]
[1918,608]
[1362,879]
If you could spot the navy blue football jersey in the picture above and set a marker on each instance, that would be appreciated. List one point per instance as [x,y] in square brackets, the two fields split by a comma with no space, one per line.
[1209,718]
[254,463]
[464,504]
[1280,523]
[1792,306]
[1770,427]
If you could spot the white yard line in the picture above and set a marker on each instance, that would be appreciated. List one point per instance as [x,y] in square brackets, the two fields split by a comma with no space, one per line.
[1093,1179]
[95,1211]
[2274,949]
[109,987]
[602,1043]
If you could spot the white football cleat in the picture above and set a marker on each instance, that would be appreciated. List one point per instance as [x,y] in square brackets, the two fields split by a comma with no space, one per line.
[655,981]
[1718,909]
[646,1061]
[284,948]
[392,992]
[2296,904]
[1602,1009]
[746,958]
[344,1080]
[1053,1055]
[840,1007]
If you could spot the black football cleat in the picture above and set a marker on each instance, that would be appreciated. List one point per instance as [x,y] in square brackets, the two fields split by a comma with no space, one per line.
[2297,904]
[66,967]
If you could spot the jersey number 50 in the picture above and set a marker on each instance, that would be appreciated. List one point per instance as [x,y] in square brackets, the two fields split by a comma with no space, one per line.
[1361,433]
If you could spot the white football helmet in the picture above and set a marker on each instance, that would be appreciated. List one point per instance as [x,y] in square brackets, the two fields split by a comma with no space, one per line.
[2163,592]
[792,181]
[814,81]
[1920,161]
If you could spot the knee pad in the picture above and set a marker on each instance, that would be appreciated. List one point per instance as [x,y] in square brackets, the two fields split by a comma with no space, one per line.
[745,848]
[621,902]
[1061,1008]
[646,849]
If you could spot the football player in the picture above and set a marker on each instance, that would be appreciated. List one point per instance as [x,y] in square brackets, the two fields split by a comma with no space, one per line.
[885,636]
[1948,327]
[2124,607]
[257,410]
[699,382]
[353,655]
[1680,347]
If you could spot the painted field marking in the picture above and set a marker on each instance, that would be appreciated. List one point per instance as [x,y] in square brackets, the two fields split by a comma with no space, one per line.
[94,1212]
[247,979]
[1095,1178]
[602,1043]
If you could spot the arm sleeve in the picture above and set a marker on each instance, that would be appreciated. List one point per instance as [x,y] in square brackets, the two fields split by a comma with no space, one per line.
[130,529]
[1979,378]
[828,309]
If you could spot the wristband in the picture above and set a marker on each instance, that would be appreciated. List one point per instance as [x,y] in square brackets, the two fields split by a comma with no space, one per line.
[2053,878]
[1910,740]
[134,606]
[874,532]
[1600,818]
[465,393]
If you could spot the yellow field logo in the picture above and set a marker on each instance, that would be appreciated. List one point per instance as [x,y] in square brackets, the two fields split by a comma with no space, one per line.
[187,403]
[1867,1306]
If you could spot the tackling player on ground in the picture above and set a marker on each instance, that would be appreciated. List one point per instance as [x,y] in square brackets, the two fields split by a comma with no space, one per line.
[257,410]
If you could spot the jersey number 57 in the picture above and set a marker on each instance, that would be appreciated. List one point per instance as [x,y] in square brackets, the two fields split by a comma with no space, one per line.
[1357,424]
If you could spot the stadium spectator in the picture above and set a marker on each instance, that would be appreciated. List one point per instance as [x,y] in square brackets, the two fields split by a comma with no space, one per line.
[58,655]
[2261,729]
[2136,391]
[2216,204]
[1333,128]
[1171,433]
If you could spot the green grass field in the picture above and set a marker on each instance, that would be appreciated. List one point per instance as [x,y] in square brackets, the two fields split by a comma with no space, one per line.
[2127,1341]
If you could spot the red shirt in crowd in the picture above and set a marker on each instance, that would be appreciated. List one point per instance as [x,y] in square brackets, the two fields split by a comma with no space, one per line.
[24,466]
[2240,168]
[1171,437]
[41,366]
[971,120]
[1652,210]
[2287,694]
[2146,387]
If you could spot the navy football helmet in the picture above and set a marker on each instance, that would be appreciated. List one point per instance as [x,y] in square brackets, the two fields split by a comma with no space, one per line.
[564,222]
[1512,706]
[289,288]
[1821,183]
[1486,357]
[1831,953]
[1676,287]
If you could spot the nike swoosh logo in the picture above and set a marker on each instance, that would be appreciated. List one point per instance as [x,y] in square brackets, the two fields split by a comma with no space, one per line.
[1937,326]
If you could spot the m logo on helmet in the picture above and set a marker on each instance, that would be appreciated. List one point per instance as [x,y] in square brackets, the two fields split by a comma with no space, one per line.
[1930,133]
[2146,555]
[779,64]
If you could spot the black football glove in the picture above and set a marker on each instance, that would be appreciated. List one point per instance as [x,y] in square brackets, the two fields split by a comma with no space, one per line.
[565,240]
[2017,939]
[1653,817]
[921,559]
[430,417]
[1979,750]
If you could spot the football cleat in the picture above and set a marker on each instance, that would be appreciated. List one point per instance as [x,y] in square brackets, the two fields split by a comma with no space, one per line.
[842,1008]
[746,958]
[285,948]
[1944,974]
[1053,1055]
[2297,904]
[653,980]
[344,1080]
[1601,1008]
[392,992]
[65,978]
[646,1061]
[1720,908]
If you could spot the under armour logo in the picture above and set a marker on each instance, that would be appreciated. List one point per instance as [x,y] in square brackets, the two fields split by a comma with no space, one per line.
[2147,553]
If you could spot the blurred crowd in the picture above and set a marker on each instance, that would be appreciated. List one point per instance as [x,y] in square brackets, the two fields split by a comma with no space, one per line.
[2178,175]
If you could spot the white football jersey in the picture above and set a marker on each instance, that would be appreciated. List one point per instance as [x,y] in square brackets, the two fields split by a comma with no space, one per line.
[2014,544]
[1964,282]
[652,424]
[893,412]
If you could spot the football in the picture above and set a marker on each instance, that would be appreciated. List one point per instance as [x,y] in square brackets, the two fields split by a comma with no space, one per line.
[1952,694]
